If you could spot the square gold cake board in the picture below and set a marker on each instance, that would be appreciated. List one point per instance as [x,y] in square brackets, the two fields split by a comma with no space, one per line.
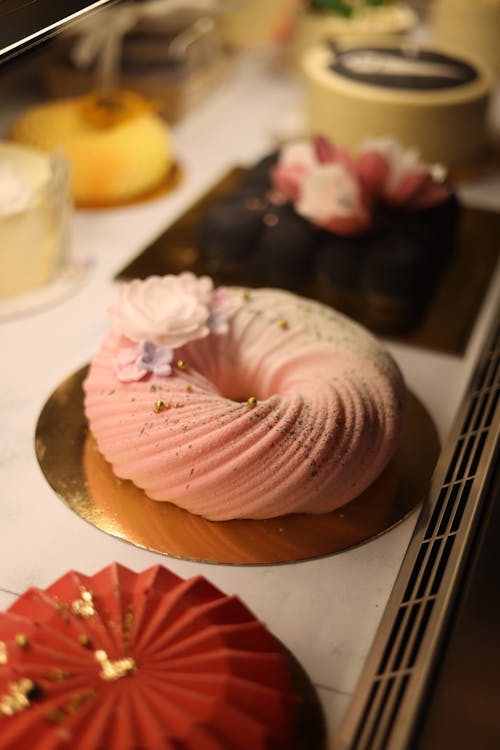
[450,314]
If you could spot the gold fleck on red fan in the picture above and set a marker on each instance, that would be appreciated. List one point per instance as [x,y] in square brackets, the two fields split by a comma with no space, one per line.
[140,660]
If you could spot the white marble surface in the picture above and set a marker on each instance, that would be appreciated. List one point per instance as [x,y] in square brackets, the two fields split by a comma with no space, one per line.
[326,611]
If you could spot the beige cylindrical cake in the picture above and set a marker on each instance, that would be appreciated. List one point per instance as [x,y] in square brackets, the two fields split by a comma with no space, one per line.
[427,99]
[34,213]
[471,26]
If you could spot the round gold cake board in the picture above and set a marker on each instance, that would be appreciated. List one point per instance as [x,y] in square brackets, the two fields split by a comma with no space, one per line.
[82,478]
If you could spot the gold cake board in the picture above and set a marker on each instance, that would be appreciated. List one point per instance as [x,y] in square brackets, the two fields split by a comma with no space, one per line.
[84,481]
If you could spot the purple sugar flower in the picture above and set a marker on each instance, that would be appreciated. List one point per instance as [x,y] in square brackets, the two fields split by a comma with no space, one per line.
[155,359]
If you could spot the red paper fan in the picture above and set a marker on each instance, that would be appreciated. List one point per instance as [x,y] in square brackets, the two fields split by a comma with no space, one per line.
[149,660]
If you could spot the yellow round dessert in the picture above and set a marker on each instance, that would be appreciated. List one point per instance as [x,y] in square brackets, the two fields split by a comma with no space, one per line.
[34,213]
[118,148]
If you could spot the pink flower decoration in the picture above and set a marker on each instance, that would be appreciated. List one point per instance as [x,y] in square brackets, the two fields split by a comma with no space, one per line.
[338,192]
[322,182]
[125,365]
[299,158]
[326,153]
[329,153]
[373,169]
[220,310]
[396,175]
[331,197]
[296,161]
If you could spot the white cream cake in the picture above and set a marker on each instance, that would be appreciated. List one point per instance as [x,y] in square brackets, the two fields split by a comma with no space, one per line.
[34,210]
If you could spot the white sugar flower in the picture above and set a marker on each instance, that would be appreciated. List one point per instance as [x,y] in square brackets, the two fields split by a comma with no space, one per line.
[170,310]
[331,197]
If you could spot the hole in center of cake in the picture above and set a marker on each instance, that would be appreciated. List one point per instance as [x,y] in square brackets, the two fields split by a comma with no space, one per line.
[241,387]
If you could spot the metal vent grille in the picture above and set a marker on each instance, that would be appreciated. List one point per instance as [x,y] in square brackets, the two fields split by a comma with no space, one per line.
[387,699]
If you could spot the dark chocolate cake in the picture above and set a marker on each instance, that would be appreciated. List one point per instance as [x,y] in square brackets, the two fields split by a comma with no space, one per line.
[382,269]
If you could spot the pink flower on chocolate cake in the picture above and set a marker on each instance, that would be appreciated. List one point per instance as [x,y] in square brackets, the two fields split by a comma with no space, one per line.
[321,180]
[397,176]
[298,159]
[340,193]
[331,197]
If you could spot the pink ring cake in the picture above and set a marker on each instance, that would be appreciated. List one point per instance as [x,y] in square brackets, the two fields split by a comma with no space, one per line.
[289,408]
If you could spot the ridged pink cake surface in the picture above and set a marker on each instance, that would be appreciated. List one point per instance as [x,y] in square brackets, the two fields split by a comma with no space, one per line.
[325,423]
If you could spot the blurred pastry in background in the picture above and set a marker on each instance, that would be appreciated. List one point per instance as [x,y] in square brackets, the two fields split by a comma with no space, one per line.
[253,23]
[469,27]
[351,22]
[168,50]
[119,148]
[34,217]
[426,98]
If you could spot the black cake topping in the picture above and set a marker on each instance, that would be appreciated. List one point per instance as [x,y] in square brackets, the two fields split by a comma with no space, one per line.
[401,68]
